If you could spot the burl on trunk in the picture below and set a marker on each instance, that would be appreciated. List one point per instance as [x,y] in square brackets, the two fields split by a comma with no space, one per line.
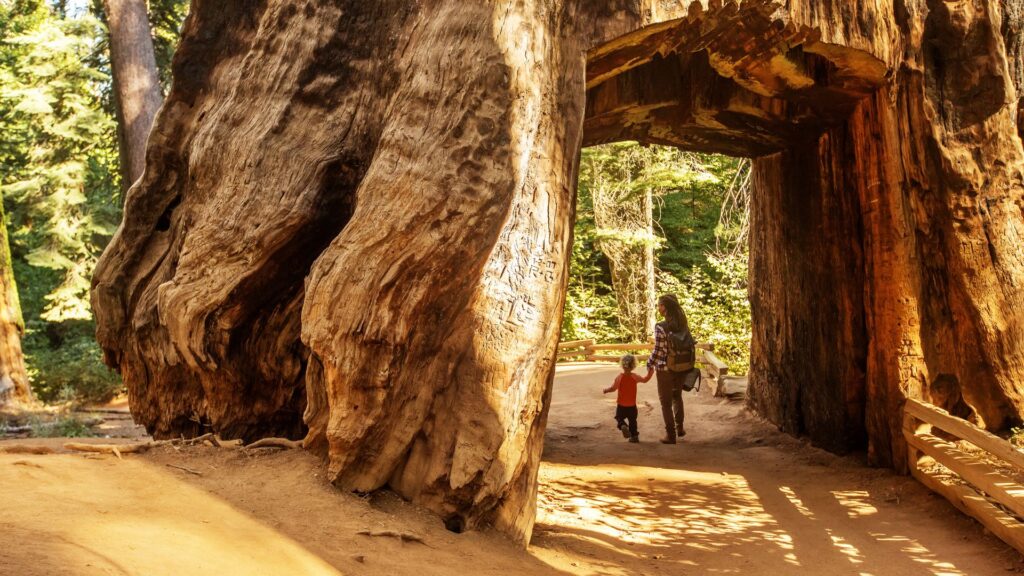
[355,217]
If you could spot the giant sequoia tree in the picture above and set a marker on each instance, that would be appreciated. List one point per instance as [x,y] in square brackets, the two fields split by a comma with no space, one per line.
[14,384]
[354,220]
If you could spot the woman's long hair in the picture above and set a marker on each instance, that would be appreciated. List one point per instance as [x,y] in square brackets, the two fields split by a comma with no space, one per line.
[675,319]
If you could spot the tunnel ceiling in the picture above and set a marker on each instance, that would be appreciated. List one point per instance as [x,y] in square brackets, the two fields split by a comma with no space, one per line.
[730,79]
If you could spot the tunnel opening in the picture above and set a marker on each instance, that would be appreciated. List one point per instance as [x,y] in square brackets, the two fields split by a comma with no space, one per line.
[738,82]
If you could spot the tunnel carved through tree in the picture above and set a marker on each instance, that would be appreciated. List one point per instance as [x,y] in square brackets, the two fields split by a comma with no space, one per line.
[355,219]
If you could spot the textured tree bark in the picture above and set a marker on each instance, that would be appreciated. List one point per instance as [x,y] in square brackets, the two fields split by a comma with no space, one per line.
[933,163]
[354,221]
[14,386]
[430,209]
[136,81]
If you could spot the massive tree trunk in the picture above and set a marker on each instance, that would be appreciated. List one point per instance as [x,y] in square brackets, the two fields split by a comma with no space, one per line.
[932,164]
[137,94]
[361,210]
[14,386]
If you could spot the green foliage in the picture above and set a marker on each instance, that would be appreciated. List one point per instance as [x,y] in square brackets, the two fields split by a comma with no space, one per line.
[73,368]
[689,214]
[57,150]
[165,18]
[64,426]
[59,179]
[689,189]
[590,309]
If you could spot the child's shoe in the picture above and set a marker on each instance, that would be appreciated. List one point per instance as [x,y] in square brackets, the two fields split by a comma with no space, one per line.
[634,439]
[625,430]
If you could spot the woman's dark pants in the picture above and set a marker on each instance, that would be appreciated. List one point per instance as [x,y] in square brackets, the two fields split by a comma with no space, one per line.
[670,394]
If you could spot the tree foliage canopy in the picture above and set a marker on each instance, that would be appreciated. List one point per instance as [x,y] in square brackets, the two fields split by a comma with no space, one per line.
[59,175]
[701,256]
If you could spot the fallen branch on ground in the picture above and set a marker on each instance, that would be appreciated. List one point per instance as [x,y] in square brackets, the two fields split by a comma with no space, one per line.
[276,443]
[26,463]
[115,449]
[185,469]
[403,536]
[24,449]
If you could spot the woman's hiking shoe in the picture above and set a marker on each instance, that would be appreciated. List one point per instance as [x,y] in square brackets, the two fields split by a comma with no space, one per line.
[634,439]
[680,433]
[625,430]
[668,440]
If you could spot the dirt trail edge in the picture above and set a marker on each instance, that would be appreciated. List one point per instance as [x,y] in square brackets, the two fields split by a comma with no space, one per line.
[734,497]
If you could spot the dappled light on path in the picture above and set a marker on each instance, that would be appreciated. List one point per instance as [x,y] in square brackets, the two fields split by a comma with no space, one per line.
[736,497]
[676,520]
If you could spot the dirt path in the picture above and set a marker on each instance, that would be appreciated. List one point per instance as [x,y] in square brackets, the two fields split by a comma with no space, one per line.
[735,497]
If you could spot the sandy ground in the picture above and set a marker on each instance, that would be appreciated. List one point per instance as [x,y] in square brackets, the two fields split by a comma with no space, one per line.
[735,497]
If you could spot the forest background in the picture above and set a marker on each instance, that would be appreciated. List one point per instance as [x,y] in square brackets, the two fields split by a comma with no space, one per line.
[649,219]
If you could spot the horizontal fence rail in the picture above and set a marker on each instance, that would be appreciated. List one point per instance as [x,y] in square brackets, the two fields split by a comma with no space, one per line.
[587,350]
[980,487]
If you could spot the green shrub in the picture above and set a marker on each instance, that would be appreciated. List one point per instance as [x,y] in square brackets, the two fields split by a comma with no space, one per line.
[63,426]
[74,370]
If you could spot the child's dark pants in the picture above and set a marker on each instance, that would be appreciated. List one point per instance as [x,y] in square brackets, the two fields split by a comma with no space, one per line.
[627,414]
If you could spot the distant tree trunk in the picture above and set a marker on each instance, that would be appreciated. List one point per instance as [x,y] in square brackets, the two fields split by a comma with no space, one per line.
[136,82]
[625,226]
[13,377]
[650,279]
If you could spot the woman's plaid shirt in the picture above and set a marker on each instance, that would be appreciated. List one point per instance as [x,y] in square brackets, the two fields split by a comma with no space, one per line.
[659,356]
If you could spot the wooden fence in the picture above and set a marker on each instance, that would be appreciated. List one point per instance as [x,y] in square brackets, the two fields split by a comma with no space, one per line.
[977,483]
[590,351]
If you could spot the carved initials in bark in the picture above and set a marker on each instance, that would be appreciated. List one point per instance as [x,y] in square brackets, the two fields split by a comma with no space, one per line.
[363,210]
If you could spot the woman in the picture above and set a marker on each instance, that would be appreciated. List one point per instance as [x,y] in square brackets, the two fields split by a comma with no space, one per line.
[670,384]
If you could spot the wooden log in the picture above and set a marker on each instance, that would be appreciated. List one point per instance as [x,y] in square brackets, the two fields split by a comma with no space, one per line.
[115,449]
[275,443]
[970,502]
[980,474]
[965,430]
[25,449]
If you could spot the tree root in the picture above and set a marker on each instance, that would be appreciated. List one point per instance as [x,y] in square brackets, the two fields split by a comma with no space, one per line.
[115,449]
[403,536]
[185,469]
[139,447]
[275,443]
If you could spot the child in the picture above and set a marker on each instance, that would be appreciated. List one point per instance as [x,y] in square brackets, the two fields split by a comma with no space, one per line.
[626,410]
